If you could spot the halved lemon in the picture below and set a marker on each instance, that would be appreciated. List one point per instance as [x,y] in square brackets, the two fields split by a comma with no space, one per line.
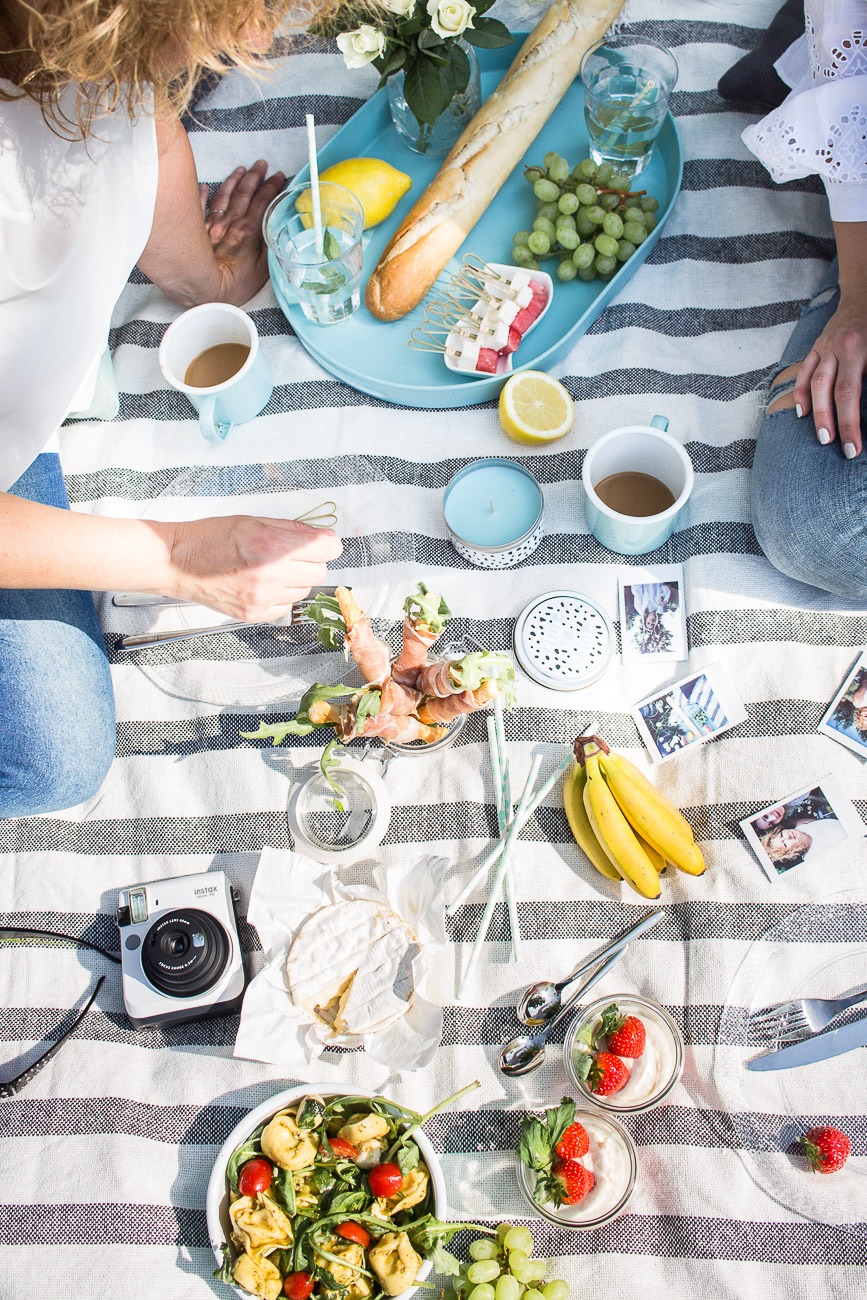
[535,408]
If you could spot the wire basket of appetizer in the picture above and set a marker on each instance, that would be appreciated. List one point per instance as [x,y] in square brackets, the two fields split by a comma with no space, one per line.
[410,700]
[330,1195]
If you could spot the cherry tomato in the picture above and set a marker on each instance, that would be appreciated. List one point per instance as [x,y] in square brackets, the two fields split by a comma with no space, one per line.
[255,1176]
[385,1180]
[298,1286]
[342,1149]
[353,1232]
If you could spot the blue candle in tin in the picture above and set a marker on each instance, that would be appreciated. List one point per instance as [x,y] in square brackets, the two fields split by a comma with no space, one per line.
[492,503]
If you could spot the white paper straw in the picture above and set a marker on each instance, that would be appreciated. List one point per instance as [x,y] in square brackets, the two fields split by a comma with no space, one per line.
[502,867]
[482,870]
[314,187]
[500,770]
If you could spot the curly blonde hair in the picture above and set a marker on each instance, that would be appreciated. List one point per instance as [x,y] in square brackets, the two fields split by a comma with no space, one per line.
[115,53]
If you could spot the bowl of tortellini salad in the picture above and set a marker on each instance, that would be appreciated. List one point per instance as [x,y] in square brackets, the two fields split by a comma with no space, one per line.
[329,1195]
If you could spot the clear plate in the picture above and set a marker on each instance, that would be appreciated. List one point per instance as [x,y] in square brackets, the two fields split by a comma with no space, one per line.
[258,667]
[770,1110]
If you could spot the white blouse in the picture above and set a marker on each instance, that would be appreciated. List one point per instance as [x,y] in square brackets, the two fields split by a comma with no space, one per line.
[74,220]
[822,126]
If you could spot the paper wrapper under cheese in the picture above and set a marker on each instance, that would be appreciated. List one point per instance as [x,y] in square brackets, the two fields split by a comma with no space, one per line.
[485,155]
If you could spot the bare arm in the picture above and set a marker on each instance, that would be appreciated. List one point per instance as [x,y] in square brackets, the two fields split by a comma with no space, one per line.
[831,376]
[194,257]
[248,567]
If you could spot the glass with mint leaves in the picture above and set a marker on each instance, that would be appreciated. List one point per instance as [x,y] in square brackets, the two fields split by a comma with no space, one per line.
[317,266]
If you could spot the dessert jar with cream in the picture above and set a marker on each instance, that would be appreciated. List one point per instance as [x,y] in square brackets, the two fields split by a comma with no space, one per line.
[613,1162]
[650,1076]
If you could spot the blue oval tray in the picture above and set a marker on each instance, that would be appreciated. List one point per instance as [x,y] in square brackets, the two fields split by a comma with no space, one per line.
[374,356]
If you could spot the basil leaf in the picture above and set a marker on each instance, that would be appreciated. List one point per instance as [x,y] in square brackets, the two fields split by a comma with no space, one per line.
[246,1151]
[224,1272]
[559,1118]
[283,1190]
[408,1157]
[348,1202]
[535,1148]
[330,245]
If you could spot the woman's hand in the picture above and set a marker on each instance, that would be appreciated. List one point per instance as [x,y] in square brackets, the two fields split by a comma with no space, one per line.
[197,253]
[250,568]
[234,223]
[831,377]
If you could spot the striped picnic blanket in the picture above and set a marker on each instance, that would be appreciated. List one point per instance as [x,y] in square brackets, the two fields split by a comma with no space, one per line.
[107,1153]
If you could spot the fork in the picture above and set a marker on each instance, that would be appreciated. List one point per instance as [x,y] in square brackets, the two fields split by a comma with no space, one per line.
[297,614]
[804,1016]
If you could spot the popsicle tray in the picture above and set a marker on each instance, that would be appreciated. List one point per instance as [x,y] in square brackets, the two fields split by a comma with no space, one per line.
[373,356]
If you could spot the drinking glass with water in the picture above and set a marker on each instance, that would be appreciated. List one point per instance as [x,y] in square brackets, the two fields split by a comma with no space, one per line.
[316,264]
[626,88]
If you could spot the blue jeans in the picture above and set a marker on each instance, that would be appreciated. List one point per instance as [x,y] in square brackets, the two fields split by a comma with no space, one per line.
[57,727]
[809,503]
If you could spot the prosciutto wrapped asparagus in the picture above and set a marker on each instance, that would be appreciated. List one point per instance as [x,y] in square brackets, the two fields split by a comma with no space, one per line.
[424,618]
[408,701]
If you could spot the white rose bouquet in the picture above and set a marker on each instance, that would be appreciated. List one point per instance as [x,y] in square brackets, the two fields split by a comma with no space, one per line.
[421,39]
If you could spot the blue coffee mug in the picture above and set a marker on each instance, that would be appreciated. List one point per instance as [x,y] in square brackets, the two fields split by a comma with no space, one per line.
[644,449]
[230,400]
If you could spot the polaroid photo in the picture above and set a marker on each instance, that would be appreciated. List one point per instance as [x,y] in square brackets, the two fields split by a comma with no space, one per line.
[801,827]
[688,713]
[652,613]
[846,719]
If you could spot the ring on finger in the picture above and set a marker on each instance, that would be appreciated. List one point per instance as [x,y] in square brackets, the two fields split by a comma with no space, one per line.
[217,212]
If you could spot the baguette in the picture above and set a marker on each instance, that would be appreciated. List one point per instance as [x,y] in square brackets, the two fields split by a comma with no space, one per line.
[489,149]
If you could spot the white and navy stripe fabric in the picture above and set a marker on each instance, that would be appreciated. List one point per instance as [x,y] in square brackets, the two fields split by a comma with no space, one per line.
[107,1153]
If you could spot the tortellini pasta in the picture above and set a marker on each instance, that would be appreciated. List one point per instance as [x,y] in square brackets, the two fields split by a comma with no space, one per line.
[258,1276]
[394,1262]
[286,1144]
[362,1127]
[259,1226]
[412,1193]
[358,1285]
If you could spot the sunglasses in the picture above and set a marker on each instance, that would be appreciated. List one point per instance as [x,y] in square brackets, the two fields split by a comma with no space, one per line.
[13,934]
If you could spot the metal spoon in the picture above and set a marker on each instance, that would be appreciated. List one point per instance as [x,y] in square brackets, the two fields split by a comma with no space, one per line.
[527,1052]
[542,1000]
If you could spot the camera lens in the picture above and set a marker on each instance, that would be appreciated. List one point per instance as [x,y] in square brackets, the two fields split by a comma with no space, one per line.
[185,953]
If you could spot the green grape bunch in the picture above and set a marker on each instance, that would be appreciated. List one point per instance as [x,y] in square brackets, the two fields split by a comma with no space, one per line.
[587,217]
[501,1267]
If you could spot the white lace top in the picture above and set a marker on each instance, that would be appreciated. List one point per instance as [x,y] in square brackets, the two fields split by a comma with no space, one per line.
[822,126]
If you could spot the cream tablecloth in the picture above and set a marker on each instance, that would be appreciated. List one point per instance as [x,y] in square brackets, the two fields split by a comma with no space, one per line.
[106,1155]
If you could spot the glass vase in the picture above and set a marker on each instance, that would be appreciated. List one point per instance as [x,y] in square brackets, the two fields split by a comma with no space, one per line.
[436,140]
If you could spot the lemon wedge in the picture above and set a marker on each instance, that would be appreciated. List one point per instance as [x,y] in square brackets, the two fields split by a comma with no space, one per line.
[377,185]
[535,408]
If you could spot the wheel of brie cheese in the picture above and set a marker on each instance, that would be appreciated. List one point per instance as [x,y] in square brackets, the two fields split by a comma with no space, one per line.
[350,965]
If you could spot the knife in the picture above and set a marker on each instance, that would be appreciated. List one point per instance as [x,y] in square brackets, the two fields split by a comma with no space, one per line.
[818,1048]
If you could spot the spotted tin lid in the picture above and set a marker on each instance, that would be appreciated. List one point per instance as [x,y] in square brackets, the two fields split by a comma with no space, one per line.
[563,640]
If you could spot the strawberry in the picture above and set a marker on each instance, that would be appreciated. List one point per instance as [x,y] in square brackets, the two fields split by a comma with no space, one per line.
[626,1034]
[608,1074]
[574,1143]
[826,1149]
[570,1182]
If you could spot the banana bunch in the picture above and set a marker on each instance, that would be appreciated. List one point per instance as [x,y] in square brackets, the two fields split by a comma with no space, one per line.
[627,829]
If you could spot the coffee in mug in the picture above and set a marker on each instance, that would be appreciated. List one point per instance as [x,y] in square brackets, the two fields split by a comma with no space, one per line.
[637,480]
[216,365]
[630,492]
[211,354]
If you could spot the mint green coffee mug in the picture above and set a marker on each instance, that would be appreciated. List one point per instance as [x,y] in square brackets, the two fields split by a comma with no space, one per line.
[643,449]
